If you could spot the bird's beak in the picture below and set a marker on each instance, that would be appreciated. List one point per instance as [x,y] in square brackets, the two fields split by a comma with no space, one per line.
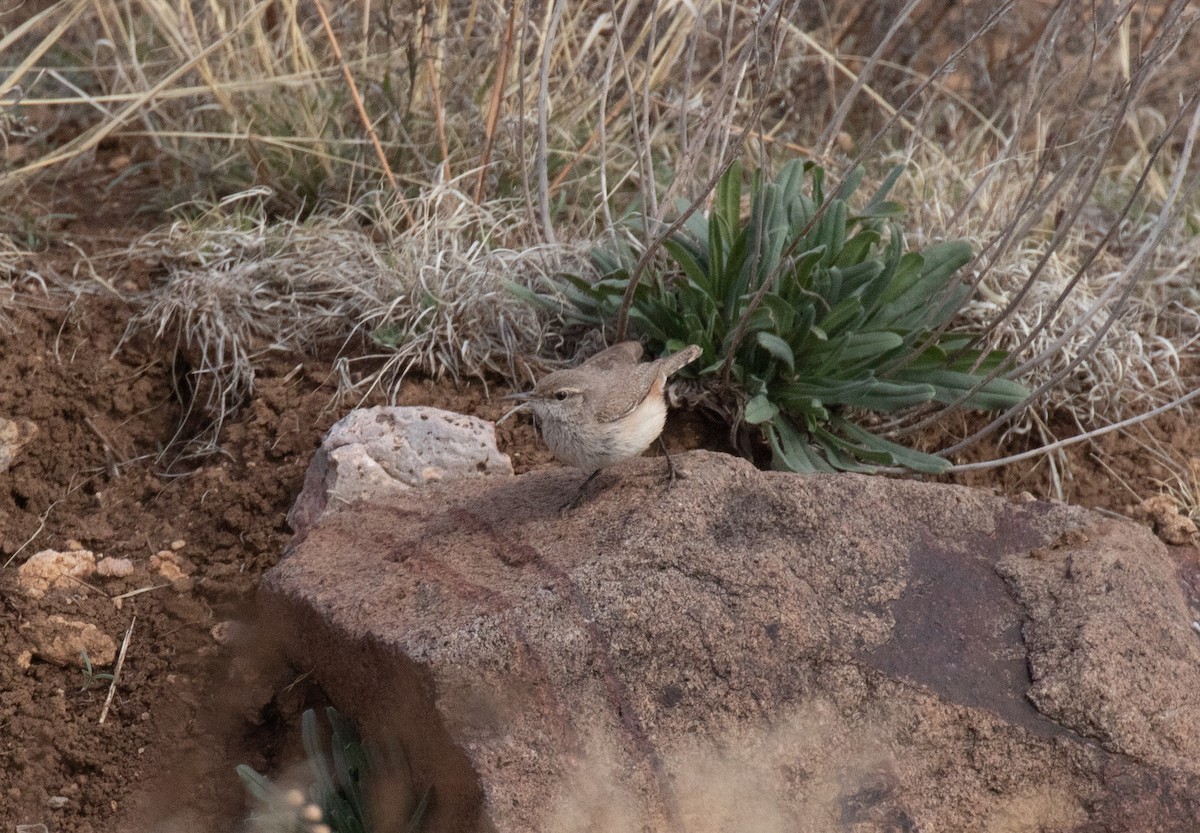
[522,398]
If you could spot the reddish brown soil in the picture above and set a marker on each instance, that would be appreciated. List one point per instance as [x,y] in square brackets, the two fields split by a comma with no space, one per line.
[104,471]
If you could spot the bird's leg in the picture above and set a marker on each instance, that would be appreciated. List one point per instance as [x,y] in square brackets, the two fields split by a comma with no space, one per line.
[670,463]
[573,502]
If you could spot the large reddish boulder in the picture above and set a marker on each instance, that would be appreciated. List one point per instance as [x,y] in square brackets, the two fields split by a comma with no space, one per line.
[752,651]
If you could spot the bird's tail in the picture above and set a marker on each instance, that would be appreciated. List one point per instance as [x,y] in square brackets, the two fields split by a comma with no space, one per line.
[677,361]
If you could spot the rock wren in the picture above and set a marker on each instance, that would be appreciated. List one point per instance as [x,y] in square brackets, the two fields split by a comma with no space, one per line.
[608,409]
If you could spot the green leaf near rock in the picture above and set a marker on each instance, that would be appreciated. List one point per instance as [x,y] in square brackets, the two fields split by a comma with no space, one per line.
[831,315]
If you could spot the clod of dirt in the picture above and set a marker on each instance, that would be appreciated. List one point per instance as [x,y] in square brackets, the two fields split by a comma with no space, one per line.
[171,565]
[63,641]
[1163,512]
[175,568]
[15,434]
[53,569]
[224,633]
[114,567]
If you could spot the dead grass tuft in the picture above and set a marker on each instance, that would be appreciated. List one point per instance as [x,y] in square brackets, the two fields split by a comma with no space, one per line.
[497,130]
[389,298]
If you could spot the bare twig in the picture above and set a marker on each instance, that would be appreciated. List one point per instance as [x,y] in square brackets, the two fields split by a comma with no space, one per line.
[497,98]
[1178,402]
[112,689]
[543,107]
[432,61]
[1137,266]
[835,124]
[775,11]
[358,104]
[140,591]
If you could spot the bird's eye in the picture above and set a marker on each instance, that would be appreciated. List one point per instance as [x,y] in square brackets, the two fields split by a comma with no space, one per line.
[561,395]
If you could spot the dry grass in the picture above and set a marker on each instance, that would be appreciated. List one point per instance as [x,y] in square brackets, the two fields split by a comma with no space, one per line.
[21,285]
[396,298]
[491,131]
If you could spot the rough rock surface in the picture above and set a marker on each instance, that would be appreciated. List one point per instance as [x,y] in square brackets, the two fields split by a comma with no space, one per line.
[377,453]
[753,651]
[1110,643]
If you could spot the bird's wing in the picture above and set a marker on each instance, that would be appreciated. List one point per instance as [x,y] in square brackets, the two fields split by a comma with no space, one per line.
[625,354]
[625,390]
[628,385]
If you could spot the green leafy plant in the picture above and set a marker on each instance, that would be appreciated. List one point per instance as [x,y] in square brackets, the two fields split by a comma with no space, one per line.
[806,310]
[90,677]
[336,799]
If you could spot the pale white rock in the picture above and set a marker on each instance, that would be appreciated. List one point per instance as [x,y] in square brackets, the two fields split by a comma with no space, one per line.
[378,453]
[53,569]
[15,434]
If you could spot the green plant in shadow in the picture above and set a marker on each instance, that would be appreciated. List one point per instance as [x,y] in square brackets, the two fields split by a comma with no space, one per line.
[335,799]
[807,310]
[90,677]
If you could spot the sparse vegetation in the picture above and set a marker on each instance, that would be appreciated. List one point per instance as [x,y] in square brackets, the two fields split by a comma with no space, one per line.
[90,677]
[425,297]
[807,307]
[1056,150]
[336,798]
[358,181]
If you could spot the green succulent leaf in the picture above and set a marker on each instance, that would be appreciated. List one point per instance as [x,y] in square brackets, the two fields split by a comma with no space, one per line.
[760,409]
[778,348]
[257,785]
[951,385]
[900,455]
[844,315]
[859,346]
[792,452]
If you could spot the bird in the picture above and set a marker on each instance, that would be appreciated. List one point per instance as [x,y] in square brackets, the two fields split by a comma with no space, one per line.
[608,409]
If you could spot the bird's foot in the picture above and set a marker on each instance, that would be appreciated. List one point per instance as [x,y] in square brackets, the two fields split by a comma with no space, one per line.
[672,472]
[579,494]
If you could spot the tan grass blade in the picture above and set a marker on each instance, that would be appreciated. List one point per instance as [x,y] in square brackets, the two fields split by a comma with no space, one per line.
[52,37]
